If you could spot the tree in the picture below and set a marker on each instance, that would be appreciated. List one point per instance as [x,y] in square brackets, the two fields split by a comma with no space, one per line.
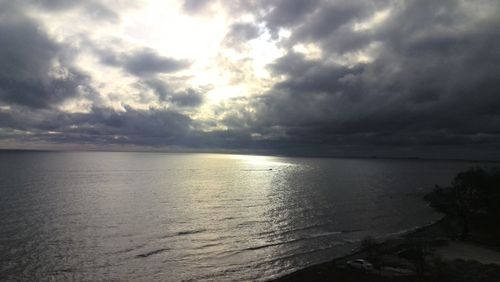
[468,192]
[473,193]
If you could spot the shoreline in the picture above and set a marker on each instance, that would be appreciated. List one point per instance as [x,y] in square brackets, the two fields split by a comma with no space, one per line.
[330,269]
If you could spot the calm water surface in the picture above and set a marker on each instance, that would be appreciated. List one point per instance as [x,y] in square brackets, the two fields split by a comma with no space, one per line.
[152,216]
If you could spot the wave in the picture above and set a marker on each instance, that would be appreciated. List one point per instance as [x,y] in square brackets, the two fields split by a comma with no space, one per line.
[302,253]
[207,246]
[251,222]
[145,255]
[304,228]
[318,235]
[189,232]
[183,233]
[245,271]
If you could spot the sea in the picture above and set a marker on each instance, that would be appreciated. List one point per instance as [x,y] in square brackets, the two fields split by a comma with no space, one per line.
[134,216]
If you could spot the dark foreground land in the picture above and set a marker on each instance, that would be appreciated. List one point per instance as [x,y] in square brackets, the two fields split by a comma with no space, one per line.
[420,255]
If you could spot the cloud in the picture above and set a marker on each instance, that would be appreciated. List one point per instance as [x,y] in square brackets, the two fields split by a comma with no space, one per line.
[93,9]
[147,62]
[184,98]
[194,6]
[151,127]
[386,78]
[287,13]
[35,71]
[101,127]
[241,32]
[143,63]
[432,84]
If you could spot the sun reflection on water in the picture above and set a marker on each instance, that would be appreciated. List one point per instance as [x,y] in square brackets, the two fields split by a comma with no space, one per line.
[259,161]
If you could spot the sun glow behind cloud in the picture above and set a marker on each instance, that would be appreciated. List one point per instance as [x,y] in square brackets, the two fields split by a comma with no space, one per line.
[162,26]
[224,72]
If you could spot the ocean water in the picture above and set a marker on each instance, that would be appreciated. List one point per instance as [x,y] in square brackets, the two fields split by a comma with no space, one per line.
[174,217]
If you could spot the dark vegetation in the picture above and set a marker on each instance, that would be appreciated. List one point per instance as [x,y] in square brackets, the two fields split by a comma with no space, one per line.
[473,198]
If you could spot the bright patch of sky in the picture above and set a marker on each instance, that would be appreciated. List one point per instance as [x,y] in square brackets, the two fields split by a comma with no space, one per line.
[222,71]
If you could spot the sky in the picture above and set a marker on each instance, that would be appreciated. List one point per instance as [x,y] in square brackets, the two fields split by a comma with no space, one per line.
[402,78]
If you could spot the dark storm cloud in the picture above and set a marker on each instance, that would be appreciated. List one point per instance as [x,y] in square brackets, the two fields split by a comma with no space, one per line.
[288,13]
[105,126]
[433,82]
[101,125]
[145,62]
[185,98]
[145,127]
[307,18]
[35,71]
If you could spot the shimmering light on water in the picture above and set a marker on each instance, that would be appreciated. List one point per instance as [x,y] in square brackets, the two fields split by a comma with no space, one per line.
[150,216]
